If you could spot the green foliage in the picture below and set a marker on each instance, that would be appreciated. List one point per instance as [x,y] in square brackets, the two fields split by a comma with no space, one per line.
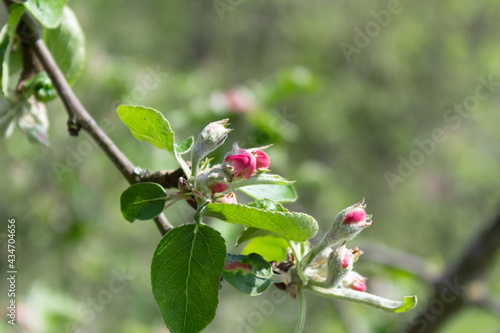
[67,44]
[48,12]
[142,201]
[147,124]
[291,225]
[279,193]
[269,246]
[250,274]
[185,274]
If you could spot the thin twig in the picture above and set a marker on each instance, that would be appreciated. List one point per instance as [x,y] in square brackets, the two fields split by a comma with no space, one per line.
[78,115]
[449,291]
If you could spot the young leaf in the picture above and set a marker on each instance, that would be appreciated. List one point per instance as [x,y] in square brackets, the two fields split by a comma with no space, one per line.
[291,225]
[16,11]
[142,201]
[48,12]
[251,233]
[270,247]
[249,274]
[280,193]
[147,124]
[185,274]
[67,44]
[262,179]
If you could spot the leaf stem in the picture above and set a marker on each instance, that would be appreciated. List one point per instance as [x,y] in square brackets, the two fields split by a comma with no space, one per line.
[302,313]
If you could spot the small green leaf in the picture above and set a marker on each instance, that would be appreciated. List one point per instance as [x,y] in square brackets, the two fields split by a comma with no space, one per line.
[16,12]
[270,247]
[409,302]
[291,225]
[48,12]
[185,275]
[142,201]
[249,274]
[280,193]
[262,179]
[147,124]
[66,42]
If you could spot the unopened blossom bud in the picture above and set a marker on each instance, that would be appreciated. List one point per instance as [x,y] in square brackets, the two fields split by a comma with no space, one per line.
[215,180]
[355,281]
[240,163]
[229,198]
[340,264]
[262,160]
[349,223]
[211,137]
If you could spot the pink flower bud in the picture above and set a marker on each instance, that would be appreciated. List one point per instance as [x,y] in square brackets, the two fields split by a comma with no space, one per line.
[356,216]
[359,285]
[243,163]
[262,159]
[215,180]
[355,281]
[229,198]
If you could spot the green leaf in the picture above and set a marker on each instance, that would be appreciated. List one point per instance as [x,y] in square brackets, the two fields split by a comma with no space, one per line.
[66,42]
[249,274]
[251,233]
[262,179]
[48,12]
[268,204]
[142,201]
[147,124]
[280,193]
[270,247]
[185,274]
[16,12]
[291,225]
[409,302]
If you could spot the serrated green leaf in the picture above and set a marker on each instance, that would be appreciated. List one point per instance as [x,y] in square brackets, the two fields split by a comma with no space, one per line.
[250,274]
[16,12]
[48,12]
[262,179]
[291,225]
[185,275]
[142,201]
[270,247]
[268,204]
[251,233]
[66,42]
[147,124]
[279,193]
[409,302]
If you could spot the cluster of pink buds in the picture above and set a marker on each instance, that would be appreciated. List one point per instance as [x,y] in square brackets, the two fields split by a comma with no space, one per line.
[336,266]
[242,163]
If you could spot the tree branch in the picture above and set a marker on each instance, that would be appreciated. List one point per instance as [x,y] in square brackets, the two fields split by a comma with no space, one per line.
[29,32]
[449,292]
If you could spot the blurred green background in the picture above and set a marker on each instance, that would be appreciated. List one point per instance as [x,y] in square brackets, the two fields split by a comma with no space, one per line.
[338,127]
